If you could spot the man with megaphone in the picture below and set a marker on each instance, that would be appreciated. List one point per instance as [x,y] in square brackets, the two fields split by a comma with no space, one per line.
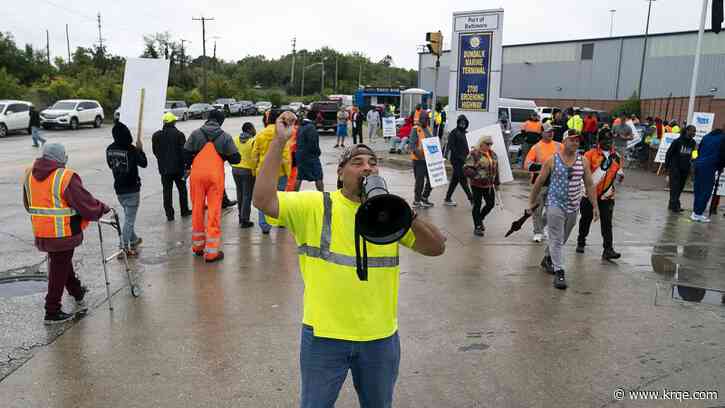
[350,310]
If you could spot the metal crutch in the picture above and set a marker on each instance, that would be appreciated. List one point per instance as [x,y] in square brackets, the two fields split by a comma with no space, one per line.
[113,222]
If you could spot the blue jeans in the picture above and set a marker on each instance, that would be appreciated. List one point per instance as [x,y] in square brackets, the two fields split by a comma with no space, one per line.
[263,224]
[130,203]
[37,138]
[324,364]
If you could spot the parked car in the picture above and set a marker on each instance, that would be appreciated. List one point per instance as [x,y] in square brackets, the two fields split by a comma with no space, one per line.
[72,113]
[546,112]
[178,108]
[247,108]
[296,106]
[229,106]
[14,115]
[329,114]
[286,108]
[199,110]
[263,106]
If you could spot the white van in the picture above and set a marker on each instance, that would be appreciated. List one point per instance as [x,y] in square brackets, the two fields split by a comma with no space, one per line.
[516,111]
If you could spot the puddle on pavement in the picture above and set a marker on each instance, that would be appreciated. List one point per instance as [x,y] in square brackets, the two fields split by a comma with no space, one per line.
[698,295]
[686,263]
[22,287]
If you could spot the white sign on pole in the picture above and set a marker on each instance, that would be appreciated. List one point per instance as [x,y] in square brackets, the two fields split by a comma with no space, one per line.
[475,69]
[389,126]
[435,162]
[665,144]
[505,174]
[151,75]
[703,123]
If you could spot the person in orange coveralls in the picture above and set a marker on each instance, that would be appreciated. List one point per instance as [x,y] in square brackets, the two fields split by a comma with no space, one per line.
[204,153]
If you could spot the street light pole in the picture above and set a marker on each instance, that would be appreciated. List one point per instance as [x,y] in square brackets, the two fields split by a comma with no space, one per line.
[611,22]
[644,51]
[696,68]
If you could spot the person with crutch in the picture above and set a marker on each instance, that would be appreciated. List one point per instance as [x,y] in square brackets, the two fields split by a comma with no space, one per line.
[60,209]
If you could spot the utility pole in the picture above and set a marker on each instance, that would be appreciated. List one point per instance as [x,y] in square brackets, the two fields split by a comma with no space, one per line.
[359,75]
[294,51]
[335,74]
[611,22]
[183,54]
[696,68]
[644,50]
[216,37]
[100,37]
[67,41]
[203,48]
[47,45]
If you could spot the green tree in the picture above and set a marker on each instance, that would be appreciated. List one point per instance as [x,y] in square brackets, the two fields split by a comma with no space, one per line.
[9,85]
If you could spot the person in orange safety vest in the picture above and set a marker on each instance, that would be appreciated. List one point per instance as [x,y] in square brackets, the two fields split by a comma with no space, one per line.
[60,209]
[606,167]
[204,153]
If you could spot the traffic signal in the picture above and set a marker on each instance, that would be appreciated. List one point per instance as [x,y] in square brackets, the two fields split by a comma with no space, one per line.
[717,16]
[435,42]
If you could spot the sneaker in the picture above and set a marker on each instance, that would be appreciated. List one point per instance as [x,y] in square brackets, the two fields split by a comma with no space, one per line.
[538,238]
[580,248]
[426,204]
[450,203]
[135,244]
[57,317]
[695,217]
[216,259]
[391,151]
[547,265]
[416,204]
[478,231]
[230,203]
[246,224]
[81,303]
[336,146]
[265,231]
[399,151]
[169,219]
[610,254]
[559,279]
[185,214]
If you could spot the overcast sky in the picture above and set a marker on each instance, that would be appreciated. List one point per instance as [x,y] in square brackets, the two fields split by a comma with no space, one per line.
[375,28]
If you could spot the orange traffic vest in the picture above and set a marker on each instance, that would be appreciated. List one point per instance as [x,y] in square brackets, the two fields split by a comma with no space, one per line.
[416,117]
[605,186]
[421,136]
[50,214]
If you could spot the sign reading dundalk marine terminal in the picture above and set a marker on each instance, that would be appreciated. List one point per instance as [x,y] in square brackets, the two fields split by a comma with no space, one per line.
[475,75]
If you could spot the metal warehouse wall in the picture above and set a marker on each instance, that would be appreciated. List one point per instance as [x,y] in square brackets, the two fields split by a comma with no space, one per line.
[556,70]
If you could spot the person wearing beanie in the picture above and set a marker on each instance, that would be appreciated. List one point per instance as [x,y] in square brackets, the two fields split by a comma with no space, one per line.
[243,173]
[60,209]
[342,314]
[124,159]
[205,152]
[168,147]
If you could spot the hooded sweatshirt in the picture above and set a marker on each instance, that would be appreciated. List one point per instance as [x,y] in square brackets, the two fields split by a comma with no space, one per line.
[168,147]
[457,144]
[679,155]
[124,159]
[88,207]
[211,132]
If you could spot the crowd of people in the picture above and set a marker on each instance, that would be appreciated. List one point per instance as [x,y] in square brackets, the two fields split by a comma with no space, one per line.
[574,168]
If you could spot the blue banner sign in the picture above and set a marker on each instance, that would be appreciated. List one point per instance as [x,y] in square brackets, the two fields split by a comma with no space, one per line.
[474,69]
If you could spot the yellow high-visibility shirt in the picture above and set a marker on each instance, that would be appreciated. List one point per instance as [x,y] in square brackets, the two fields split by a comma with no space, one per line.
[337,304]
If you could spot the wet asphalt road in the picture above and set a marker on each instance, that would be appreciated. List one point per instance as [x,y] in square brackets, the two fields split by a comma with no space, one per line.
[480,326]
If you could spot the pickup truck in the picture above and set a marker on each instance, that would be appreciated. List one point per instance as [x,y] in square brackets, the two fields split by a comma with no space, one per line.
[329,114]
